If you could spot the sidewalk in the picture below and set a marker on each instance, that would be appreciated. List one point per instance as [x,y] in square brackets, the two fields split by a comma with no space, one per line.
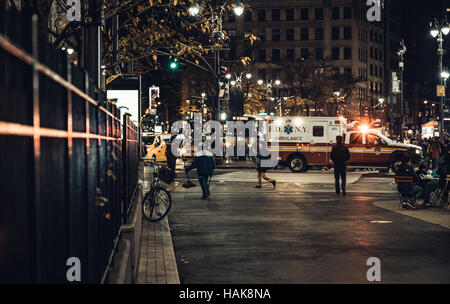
[157,263]
[436,216]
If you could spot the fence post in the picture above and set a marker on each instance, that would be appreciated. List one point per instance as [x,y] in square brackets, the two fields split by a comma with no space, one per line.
[37,152]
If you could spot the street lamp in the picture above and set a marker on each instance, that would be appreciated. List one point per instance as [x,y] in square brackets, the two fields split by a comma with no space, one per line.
[439,30]
[248,75]
[194,9]
[218,35]
[238,9]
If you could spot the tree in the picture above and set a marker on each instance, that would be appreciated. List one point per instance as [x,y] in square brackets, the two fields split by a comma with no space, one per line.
[313,82]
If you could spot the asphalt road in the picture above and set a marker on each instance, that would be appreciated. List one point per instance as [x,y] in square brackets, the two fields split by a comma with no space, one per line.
[302,232]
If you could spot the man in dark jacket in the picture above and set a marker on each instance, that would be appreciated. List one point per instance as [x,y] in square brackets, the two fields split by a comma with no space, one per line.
[406,169]
[204,162]
[340,155]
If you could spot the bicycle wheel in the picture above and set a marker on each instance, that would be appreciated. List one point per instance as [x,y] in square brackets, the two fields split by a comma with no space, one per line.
[156,204]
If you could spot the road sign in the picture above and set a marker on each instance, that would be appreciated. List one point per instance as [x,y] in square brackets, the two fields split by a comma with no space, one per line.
[441,91]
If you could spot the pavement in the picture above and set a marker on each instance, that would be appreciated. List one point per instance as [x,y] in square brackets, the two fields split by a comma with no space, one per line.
[300,232]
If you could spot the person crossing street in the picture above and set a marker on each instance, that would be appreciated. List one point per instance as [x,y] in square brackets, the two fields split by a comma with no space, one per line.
[262,171]
[204,162]
[340,155]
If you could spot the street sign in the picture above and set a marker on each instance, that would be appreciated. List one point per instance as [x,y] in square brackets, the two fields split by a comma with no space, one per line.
[441,91]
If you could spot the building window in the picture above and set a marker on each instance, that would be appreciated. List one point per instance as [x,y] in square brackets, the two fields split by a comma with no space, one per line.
[371,53]
[347,53]
[248,16]
[304,13]
[276,55]
[232,53]
[335,13]
[290,54]
[347,33]
[290,14]
[275,35]
[347,12]
[275,15]
[371,70]
[262,15]
[262,74]
[261,55]
[348,71]
[231,17]
[335,53]
[318,13]
[304,53]
[290,34]
[318,34]
[232,34]
[335,33]
[304,34]
[262,34]
[319,53]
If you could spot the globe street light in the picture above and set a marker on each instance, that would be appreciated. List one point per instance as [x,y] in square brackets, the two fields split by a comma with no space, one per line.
[248,76]
[439,30]
[238,9]
[194,9]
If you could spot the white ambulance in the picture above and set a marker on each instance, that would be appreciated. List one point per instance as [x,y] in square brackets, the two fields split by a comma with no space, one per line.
[307,141]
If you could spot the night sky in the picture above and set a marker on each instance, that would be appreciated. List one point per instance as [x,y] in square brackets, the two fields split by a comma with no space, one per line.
[421,59]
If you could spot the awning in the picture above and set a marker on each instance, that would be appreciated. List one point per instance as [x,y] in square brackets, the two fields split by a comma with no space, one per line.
[430,124]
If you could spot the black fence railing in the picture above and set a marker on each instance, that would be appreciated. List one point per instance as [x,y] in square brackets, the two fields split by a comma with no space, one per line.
[61,158]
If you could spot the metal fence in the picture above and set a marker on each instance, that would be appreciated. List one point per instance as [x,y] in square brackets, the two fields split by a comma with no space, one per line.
[64,190]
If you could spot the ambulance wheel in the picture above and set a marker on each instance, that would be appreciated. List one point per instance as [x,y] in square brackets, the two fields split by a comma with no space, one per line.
[297,164]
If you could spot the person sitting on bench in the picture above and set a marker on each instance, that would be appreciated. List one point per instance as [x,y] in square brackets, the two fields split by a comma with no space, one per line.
[409,189]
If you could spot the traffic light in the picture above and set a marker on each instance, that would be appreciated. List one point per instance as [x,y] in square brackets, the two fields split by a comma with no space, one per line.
[176,64]
[173,65]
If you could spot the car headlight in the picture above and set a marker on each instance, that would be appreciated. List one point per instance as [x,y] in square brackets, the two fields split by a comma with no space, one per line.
[418,151]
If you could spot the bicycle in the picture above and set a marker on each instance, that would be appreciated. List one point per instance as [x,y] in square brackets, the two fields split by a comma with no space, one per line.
[157,202]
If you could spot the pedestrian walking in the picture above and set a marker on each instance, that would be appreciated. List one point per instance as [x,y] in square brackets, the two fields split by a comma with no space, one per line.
[262,171]
[171,158]
[204,162]
[435,152]
[340,155]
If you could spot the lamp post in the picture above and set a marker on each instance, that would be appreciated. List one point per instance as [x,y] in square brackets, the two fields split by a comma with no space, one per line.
[439,30]
[336,96]
[269,86]
[401,54]
[218,36]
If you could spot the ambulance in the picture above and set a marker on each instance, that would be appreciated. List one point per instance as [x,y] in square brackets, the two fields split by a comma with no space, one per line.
[303,142]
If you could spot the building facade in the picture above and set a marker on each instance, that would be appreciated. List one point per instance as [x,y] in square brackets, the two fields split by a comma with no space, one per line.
[335,30]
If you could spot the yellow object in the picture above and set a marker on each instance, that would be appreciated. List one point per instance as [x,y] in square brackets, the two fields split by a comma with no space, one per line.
[155,145]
